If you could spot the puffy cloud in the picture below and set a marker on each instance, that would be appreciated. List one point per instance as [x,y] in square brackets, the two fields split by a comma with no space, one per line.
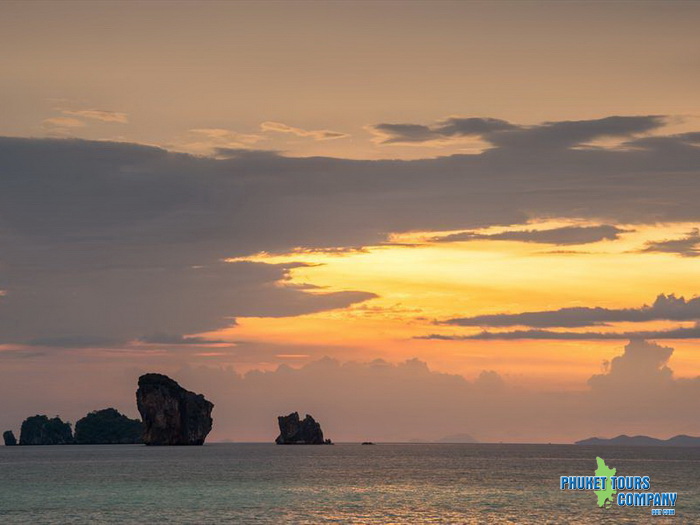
[664,308]
[566,235]
[642,366]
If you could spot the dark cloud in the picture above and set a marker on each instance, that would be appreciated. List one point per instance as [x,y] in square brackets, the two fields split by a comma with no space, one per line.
[673,333]
[573,133]
[165,339]
[688,246]
[76,341]
[451,127]
[566,235]
[664,308]
[119,241]
[109,306]
[503,134]
[673,142]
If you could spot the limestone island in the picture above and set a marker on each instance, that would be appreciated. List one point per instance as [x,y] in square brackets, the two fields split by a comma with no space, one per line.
[108,427]
[172,415]
[294,431]
[40,430]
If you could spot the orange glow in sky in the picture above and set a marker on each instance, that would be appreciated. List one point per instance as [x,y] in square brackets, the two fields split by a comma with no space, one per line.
[420,282]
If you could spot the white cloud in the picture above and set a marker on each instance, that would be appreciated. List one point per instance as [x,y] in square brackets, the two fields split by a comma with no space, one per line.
[63,122]
[320,134]
[102,115]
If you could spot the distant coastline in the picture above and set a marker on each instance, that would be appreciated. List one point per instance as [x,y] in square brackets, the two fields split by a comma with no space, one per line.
[642,441]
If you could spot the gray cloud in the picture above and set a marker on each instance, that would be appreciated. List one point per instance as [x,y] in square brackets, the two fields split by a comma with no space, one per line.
[566,235]
[572,133]
[109,306]
[76,341]
[670,143]
[119,241]
[451,127]
[664,308]
[673,333]
[167,339]
[688,246]
[503,134]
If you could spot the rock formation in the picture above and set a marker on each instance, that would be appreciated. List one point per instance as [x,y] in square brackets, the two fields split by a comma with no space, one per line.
[296,432]
[9,437]
[40,430]
[172,415]
[108,426]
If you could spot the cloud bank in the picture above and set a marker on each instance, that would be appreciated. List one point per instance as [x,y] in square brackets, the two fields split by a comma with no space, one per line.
[566,235]
[114,241]
[503,134]
[664,308]
[636,393]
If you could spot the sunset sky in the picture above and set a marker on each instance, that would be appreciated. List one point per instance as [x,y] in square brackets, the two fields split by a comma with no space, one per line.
[481,214]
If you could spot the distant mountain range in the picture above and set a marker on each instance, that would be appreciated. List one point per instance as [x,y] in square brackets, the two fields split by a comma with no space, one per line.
[643,441]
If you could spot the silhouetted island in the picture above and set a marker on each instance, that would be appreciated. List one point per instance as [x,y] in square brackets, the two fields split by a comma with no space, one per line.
[172,415]
[642,441]
[40,430]
[9,437]
[108,427]
[296,432]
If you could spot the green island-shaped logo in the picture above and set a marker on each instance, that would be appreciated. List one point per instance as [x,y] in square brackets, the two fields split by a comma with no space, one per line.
[605,496]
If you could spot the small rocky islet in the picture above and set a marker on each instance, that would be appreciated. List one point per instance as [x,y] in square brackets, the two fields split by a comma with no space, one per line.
[9,438]
[294,431]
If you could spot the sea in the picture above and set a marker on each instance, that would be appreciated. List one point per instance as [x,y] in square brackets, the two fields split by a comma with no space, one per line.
[344,483]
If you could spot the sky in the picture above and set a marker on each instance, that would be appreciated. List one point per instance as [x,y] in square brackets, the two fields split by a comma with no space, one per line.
[480,214]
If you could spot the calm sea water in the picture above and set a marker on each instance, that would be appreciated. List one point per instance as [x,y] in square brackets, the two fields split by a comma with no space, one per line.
[344,483]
